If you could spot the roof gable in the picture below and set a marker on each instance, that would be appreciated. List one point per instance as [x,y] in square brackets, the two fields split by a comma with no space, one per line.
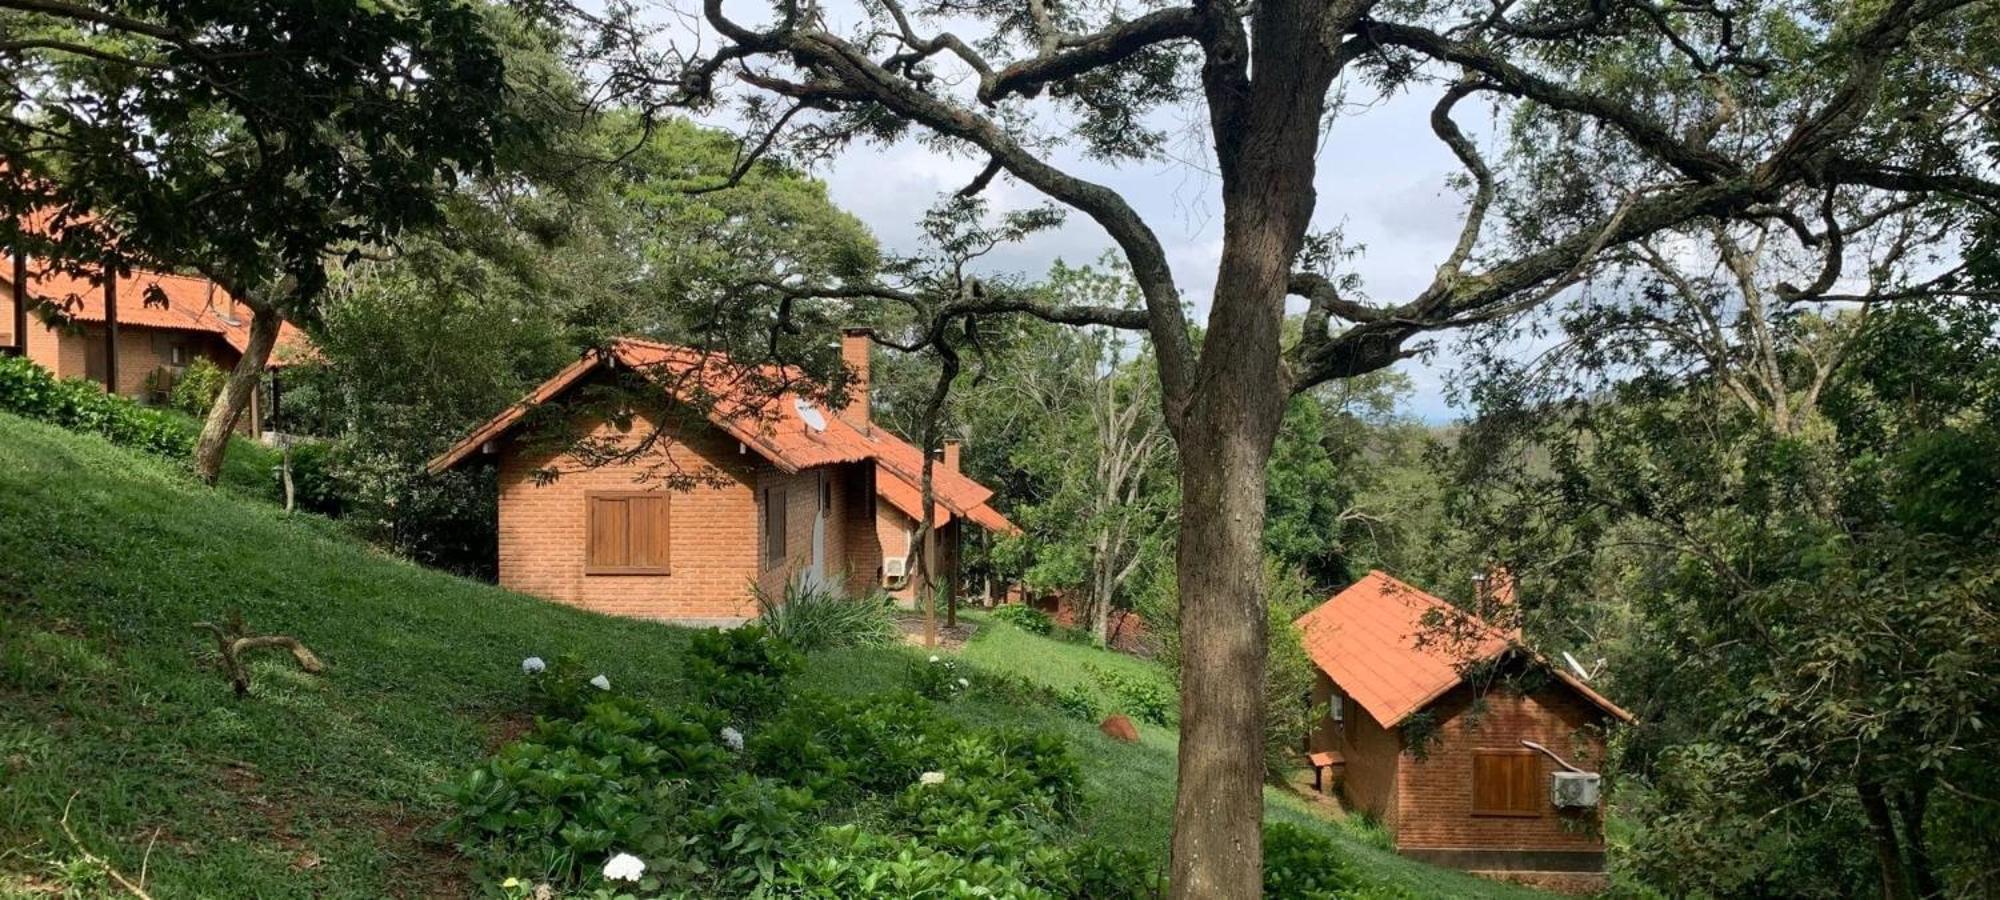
[1378,640]
[190,304]
[753,406]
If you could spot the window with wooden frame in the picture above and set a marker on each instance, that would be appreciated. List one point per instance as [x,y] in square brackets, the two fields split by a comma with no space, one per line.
[774,526]
[627,533]
[1507,783]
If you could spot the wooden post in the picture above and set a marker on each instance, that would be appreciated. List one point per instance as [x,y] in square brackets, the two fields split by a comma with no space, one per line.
[271,416]
[110,330]
[21,301]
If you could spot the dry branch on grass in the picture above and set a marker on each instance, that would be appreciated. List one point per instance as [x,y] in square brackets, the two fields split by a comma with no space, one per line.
[233,643]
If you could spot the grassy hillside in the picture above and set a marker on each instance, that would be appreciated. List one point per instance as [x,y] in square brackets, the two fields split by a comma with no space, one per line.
[110,704]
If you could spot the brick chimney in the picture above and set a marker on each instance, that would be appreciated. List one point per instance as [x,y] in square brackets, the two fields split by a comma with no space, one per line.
[951,448]
[854,352]
[1496,600]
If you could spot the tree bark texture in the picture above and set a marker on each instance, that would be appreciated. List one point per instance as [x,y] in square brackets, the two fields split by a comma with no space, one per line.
[210,449]
[1882,832]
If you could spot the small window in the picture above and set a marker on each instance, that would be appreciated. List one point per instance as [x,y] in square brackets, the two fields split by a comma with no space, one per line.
[774,526]
[1336,708]
[1506,783]
[628,534]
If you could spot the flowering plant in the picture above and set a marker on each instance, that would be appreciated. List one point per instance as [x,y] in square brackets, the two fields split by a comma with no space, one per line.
[940,678]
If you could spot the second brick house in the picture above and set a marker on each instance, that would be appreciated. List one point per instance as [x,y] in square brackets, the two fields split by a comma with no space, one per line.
[136,334]
[729,485]
[1472,751]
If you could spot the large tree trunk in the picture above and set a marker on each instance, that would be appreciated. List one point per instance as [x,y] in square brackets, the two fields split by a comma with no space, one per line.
[228,406]
[1226,431]
[1882,830]
[1911,808]
[1219,811]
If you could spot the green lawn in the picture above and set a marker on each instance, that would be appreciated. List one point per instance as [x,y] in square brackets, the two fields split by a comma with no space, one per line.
[330,786]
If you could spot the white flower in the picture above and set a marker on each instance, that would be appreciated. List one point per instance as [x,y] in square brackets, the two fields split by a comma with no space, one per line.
[934,657]
[732,738]
[930,778]
[533,665]
[624,867]
[601,683]
[964,683]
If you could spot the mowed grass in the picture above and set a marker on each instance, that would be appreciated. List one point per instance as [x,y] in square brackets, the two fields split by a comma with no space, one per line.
[332,786]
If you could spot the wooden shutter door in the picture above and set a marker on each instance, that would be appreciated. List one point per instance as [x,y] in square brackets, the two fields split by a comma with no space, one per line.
[648,533]
[1506,783]
[607,533]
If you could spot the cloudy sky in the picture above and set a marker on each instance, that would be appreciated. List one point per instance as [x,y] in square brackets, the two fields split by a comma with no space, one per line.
[1382,179]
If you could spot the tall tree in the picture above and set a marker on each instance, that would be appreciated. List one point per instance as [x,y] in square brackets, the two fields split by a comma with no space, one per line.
[247,141]
[1700,133]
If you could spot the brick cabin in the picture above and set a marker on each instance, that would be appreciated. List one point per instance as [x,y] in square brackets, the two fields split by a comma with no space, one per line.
[746,485]
[1392,663]
[161,322]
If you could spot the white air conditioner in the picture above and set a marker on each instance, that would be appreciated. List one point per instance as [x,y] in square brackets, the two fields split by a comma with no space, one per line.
[1574,789]
[894,567]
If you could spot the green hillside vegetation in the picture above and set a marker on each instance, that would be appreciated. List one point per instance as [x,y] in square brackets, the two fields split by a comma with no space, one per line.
[112,706]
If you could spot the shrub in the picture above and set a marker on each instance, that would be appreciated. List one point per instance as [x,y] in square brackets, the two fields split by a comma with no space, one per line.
[939,678]
[930,807]
[812,618]
[30,391]
[572,790]
[1305,865]
[1146,699]
[313,483]
[1077,702]
[195,391]
[1025,617]
[743,670]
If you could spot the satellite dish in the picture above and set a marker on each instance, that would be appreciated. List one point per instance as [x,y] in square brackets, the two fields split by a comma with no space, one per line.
[1575,666]
[813,418]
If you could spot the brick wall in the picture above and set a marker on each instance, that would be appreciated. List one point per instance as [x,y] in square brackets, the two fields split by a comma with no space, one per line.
[1435,795]
[70,352]
[801,497]
[714,543]
[861,542]
[1373,754]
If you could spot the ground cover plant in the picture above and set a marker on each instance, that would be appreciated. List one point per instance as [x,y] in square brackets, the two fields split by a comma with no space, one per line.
[338,785]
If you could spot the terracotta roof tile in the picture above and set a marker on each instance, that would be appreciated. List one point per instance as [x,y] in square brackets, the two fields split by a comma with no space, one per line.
[191,304]
[1373,640]
[752,405]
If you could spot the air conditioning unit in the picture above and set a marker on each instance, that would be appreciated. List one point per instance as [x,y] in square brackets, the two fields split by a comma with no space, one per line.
[895,567]
[1572,790]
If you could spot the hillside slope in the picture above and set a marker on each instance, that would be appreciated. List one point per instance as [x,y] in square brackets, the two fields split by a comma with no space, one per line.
[111,705]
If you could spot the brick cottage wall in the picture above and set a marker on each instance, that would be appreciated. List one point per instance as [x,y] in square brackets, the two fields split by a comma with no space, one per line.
[1435,806]
[801,493]
[1373,754]
[141,352]
[713,545]
[861,542]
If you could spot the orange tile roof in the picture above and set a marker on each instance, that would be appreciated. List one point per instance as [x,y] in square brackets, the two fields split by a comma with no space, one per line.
[191,304]
[754,405]
[1380,641]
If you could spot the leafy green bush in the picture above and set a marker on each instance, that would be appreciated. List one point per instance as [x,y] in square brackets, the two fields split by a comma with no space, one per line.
[1077,702]
[939,678]
[572,790]
[314,484]
[812,619]
[1146,699]
[30,391]
[1025,617]
[744,670]
[195,391]
[1307,865]
[830,798]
